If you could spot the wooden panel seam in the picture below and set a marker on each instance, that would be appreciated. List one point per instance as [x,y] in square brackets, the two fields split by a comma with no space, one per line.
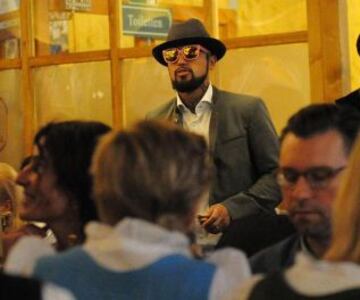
[10,64]
[69,58]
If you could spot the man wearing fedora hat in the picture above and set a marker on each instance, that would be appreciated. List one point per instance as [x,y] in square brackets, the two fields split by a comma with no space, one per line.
[242,140]
[352,99]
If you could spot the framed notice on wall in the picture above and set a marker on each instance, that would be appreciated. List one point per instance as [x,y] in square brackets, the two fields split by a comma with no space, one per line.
[59,32]
[3,124]
[11,48]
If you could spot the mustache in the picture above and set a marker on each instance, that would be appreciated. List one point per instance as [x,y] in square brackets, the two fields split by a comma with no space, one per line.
[181,69]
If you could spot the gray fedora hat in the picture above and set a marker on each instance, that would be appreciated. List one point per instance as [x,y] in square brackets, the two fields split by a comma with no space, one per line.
[189,32]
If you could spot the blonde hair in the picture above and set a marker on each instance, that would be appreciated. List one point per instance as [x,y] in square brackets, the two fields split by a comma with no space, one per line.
[9,190]
[345,244]
[156,172]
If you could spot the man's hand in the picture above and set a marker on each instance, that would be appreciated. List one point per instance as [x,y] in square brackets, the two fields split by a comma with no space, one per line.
[216,218]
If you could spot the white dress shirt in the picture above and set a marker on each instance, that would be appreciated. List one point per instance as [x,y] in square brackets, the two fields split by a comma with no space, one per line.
[198,122]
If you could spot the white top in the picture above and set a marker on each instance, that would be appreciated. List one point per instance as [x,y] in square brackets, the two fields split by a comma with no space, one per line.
[312,277]
[134,244]
[198,122]
[52,292]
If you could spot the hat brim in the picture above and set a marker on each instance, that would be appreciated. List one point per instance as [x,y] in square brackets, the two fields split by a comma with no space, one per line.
[216,47]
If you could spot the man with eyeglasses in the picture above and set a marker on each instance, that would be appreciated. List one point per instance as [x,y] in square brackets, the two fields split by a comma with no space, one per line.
[238,128]
[315,146]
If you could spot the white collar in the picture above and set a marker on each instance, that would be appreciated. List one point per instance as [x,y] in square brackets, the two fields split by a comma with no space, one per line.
[315,277]
[132,243]
[305,248]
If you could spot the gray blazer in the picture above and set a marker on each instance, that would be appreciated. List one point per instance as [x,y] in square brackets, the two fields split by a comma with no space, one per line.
[244,147]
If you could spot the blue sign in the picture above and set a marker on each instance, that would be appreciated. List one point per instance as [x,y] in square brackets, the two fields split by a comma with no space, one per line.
[146,21]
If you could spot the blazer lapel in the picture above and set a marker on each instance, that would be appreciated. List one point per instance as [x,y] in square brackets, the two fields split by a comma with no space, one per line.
[174,114]
[213,121]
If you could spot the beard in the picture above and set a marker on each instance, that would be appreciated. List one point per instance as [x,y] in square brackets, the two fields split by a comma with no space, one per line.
[186,86]
[315,225]
[318,231]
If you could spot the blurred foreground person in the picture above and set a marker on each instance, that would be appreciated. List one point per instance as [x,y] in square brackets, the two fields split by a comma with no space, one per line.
[10,197]
[57,183]
[147,198]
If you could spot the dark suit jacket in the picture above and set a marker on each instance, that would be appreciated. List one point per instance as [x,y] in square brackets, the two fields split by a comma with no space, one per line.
[351,100]
[256,232]
[12,287]
[276,257]
[244,147]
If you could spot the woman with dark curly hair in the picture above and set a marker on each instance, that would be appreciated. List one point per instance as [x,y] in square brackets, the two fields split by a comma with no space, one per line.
[57,183]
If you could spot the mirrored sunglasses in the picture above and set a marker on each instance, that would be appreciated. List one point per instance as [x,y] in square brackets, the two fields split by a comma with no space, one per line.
[189,52]
[317,177]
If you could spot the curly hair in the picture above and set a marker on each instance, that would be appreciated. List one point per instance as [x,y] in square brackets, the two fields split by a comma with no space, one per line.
[70,146]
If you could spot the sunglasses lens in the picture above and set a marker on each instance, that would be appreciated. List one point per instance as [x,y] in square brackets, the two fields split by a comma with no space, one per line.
[191,52]
[170,55]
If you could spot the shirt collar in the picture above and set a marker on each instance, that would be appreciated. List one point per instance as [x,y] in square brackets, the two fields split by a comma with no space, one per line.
[133,243]
[305,248]
[206,98]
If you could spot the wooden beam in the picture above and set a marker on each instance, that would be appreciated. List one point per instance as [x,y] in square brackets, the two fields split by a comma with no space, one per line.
[69,58]
[26,87]
[135,52]
[138,52]
[41,27]
[211,22]
[324,50]
[212,17]
[116,87]
[9,16]
[10,64]
[267,40]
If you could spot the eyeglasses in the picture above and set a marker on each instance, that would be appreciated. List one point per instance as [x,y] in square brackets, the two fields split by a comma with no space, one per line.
[317,177]
[189,52]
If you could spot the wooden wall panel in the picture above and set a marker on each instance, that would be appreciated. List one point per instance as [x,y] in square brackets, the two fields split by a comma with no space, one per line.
[324,49]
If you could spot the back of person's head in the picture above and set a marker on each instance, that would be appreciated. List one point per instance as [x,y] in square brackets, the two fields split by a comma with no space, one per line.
[10,195]
[320,118]
[345,245]
[70,146]
[156,172]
